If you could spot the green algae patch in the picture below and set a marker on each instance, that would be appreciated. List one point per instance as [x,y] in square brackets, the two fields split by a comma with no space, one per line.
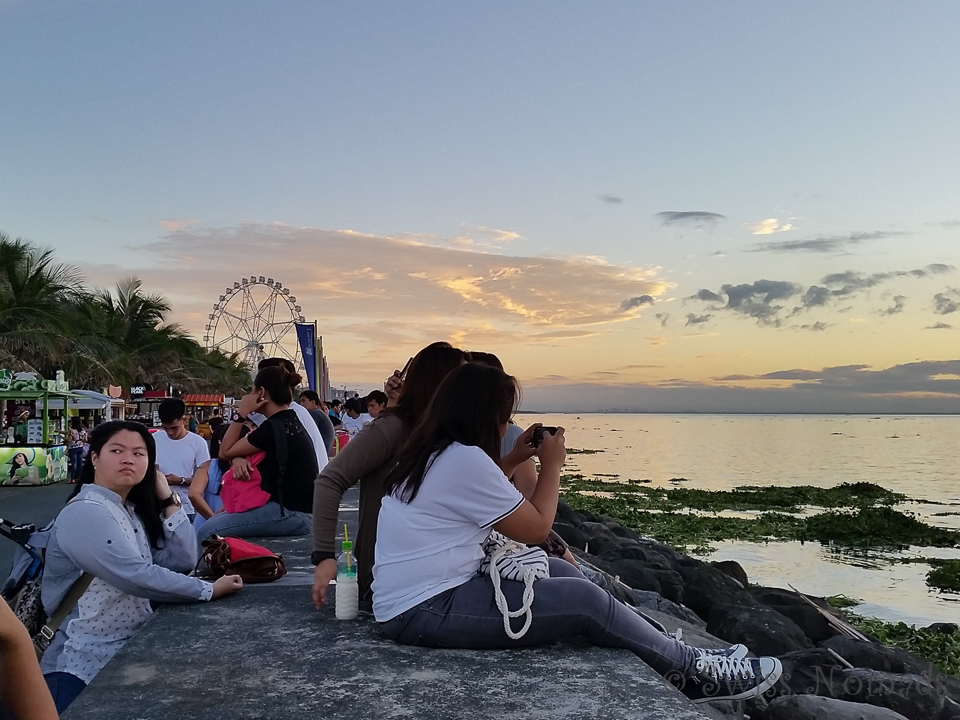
[942,649]
[748,497]
[657,513]
[945,576]
[841,601]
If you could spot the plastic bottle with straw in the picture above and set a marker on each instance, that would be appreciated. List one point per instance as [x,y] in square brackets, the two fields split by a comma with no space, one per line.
[348,594]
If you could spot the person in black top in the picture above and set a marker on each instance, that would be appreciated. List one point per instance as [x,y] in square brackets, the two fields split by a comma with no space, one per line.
[287,472]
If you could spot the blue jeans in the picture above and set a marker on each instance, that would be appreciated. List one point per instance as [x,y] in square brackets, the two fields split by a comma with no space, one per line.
[266,521]
[64,688]
[565,605]
[76,462]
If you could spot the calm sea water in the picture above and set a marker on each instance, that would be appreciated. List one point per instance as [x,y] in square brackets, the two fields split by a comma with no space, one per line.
[918,456]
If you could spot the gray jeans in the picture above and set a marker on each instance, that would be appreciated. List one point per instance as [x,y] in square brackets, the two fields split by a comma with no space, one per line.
[266,521]
[565,605]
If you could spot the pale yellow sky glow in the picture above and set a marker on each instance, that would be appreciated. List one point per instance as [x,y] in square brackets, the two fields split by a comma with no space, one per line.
[553,321]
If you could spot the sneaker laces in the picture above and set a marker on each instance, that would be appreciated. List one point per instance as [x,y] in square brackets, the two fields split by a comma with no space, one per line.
[724,668]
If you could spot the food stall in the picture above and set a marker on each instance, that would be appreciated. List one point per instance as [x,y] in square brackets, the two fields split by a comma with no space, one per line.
[203,406]
[33,449]
[144,403]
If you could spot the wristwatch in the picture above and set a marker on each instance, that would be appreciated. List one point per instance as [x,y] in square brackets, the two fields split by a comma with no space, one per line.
[237,417]
[174,499]
[318,556]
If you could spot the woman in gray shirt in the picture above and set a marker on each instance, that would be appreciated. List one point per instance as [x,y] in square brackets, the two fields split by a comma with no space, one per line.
[125,527]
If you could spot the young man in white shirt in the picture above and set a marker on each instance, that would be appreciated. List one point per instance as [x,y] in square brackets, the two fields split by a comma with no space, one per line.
[181,454]
[354,418]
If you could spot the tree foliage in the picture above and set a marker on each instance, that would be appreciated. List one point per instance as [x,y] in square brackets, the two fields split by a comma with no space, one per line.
[50,320]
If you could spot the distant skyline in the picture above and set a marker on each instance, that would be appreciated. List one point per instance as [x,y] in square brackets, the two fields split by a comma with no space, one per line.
[663,207]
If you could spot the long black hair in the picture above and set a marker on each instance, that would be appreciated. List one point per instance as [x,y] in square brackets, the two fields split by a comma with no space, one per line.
[470,407]
[143,495]
[427,370]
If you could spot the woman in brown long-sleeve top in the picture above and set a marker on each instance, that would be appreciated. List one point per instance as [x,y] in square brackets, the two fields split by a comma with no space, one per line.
[368,458]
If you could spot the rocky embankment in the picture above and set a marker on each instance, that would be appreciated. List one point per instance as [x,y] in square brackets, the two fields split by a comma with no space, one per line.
[826,673]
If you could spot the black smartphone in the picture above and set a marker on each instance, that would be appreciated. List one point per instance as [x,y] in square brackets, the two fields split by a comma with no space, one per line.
[538,434]
[403,373]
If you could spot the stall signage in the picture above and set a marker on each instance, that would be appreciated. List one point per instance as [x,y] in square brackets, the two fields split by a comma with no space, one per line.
[138,390]
[35,431]
[6,378]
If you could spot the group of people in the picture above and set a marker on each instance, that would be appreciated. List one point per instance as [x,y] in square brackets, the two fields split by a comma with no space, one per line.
[441,465]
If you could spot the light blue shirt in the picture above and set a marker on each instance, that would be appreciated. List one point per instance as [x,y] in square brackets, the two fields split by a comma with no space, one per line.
[98,533]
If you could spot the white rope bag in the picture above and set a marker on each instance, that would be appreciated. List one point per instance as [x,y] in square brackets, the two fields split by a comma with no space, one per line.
[504,558]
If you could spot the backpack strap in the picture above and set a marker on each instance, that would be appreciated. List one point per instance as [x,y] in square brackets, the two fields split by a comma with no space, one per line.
[43,638]
[283,451]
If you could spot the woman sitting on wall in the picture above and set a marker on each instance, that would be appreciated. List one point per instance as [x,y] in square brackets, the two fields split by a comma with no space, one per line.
[126,528]
[445,496]
[287,471]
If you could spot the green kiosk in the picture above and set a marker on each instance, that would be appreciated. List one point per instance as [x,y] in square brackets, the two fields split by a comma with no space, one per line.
[33,437]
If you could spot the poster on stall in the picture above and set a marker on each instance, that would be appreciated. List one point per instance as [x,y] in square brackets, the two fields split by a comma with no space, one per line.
[32,465]
[35,431]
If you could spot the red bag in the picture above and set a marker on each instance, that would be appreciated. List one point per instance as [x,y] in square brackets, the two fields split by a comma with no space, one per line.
[233,556]
[241,495]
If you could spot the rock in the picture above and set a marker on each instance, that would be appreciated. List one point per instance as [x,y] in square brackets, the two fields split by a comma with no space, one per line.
[763,631]
[817,672]
[913,696]
[672,556]
[705,587]
[568,514]
[951,710]
[944,627]
[951,685]
[810,672]
[733,569]
[647,600]
[636,576]
[812,623]
[780,596]
[624,532]
[636,551]
[571,535]
[811,707]
[671,584]
[600,537]
[875,656]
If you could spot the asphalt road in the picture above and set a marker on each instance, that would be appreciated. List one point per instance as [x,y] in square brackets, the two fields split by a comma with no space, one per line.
[37,505]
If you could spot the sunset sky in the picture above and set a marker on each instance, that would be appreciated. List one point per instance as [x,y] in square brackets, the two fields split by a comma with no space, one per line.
[640,206]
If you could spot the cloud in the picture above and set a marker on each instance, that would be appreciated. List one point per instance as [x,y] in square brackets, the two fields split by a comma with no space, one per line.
[689,217]
[697,319]
[815,296]
[663,318]
[820,244]
[476,237]
[708,296]
[173,224]
[897,307]
[635,302]
[610,199]
[393,294]
[763,300]
[920,387]
[815,327]
[768,227]
[939,326]
[943,304]
[849,282]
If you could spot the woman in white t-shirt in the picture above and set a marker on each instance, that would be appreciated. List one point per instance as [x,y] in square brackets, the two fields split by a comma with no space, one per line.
[444,497]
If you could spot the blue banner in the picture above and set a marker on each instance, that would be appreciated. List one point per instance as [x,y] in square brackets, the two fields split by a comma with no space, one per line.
[306,334]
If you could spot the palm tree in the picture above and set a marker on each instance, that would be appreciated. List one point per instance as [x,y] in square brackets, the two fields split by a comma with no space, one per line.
[34,290]
[49,321]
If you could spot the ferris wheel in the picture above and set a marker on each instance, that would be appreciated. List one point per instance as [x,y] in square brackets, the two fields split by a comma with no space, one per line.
[255,318]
